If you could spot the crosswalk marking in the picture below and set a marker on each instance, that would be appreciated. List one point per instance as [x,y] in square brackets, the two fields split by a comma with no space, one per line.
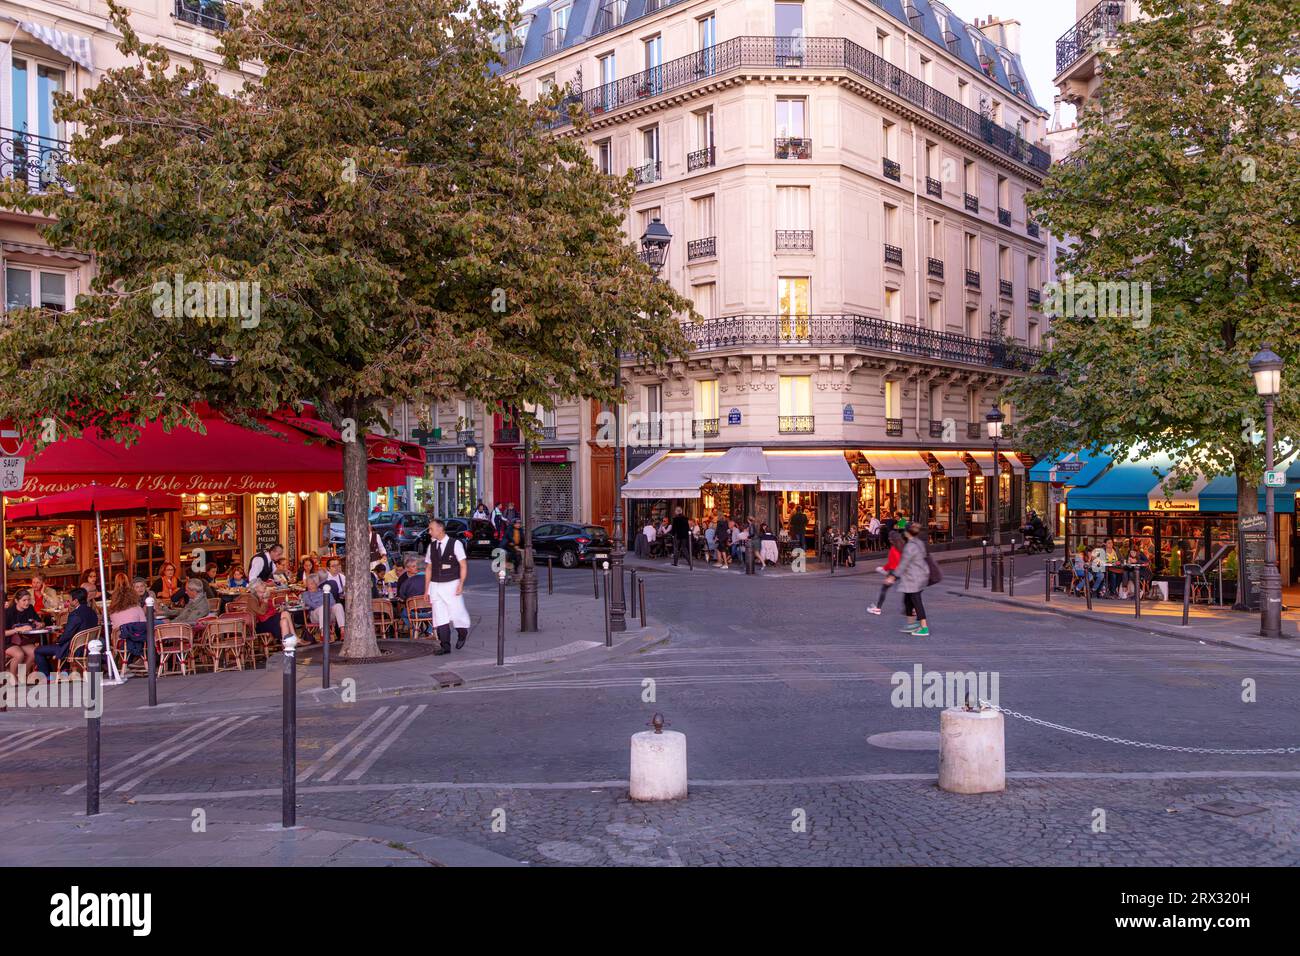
[356,751]
[188,732]
[375,754]
[328,755]
[226,727]
[27,739]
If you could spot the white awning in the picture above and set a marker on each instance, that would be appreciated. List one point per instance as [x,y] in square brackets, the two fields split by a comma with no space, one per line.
[805,471]
[667,475]
[744,465]
[75,48]
[953,465]
[1012,459]
[984,460]
[897,465]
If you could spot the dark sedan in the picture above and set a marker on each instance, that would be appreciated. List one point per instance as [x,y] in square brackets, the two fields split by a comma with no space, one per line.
[572,544]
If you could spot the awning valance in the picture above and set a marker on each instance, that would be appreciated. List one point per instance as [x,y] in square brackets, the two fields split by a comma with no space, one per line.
[804,471]
[983,461]
[668,475]
[743,465]
[952,463]
[75,48]
[897,465]
[1014,463]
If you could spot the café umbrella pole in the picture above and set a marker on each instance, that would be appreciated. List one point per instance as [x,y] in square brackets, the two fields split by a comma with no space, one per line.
[115,676]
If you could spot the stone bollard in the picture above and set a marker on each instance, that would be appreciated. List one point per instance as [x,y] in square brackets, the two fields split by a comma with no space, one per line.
[658,764]
[972,751]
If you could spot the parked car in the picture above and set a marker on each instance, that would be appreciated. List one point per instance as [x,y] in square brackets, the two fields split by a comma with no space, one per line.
[572,544]
[338,535]
[476,536]
[401,531]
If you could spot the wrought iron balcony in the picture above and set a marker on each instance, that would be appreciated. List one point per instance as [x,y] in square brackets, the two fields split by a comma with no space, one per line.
[464,435]
[700,159]
[793,147]
[1031,227]
[552,41]
[509,435]
[1100,23]
[933,187]
[1005,288]
[209,14]
[702,248]
[892,170]
[648,431]
[972,203]
[800,53]
[972,278]
[609,16]
[893,254]
[649,173]
[1035,297]
[34,160]
[851,331]
[794,424]
[1004,216]
[704,428]
[934,267]
[936,428]
[894,427]
[974,430]
[797,239]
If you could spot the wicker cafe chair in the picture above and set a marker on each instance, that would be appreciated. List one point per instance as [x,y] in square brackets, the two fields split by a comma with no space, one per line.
[382,611]
[419,610]
[175,648]
[75,659]
[226,639]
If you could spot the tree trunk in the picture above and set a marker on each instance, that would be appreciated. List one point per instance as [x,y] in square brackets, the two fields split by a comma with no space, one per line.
[360,638]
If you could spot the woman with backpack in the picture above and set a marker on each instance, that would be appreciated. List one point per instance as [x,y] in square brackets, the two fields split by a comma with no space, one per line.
[915,572]
[896,544]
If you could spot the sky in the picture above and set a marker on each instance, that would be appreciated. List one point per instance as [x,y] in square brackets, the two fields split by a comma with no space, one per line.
[1041,22]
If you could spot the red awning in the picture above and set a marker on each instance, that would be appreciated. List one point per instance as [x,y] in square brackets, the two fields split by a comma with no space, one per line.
[269,456]
[104,500]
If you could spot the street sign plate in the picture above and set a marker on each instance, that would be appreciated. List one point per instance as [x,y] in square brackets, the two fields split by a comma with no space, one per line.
[11,473]
[1275,478]
[1069,467]
[10,440]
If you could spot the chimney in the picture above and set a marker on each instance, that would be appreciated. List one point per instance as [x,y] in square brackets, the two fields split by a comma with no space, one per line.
[1005,33]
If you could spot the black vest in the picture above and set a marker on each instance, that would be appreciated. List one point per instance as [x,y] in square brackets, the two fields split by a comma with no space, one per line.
[268,567]
[445,566]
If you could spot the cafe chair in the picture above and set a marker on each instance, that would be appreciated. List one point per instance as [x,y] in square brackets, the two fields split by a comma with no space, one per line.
[385,622]
[1198,583]
[175,643]
[419,612]
[75,659]
[226,640]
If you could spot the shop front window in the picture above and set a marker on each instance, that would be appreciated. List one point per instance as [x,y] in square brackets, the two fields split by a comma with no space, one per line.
[940,507]
[866,500]
[975,498]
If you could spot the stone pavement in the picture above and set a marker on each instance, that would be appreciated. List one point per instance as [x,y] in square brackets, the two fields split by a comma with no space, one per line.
[124,835]
[571,633]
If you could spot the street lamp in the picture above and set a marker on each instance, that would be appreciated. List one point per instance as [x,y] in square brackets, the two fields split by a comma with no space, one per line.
[1267,366]
[654,253]
[993,421]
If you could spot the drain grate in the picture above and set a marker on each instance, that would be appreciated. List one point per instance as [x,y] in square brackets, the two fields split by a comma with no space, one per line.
[1231,808]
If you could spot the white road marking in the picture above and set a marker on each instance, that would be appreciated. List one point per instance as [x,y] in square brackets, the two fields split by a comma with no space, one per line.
[328,755]
[185,736]
[387,742]
[27,739]
[228,727]
[356,751]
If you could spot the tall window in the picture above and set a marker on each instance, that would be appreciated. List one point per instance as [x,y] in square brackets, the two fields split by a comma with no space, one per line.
[972,252]
[970,177]
[605,157]
[793,207]
[793,296]
[1004,263]
[608,74]
[704,128]
[706,398]
[704,223]
[34,86]
[650,145]
[560,19]
[654,61]
[707,37]
[963,92]
[795,395]
[1004,193]
[927,71]
[936,315]
[893,399]
[705,295]
[882,44]
[26,287]
[464,414]
[934,229]
[789,19]
[932,160]
[790,118]
[894,305]
[973,323]
[936,403]
[891,224]
[889,140]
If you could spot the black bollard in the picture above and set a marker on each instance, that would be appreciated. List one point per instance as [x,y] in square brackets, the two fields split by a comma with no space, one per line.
[326,631]
[632,609]
[609,633]
[984,563]
[94,661]
[1051,568]
[289,735]
[969,558]
[1137,590]
[150,648]
[641,587]
[550,575]
[1011,574]
[501,618]
[1187,594]
[1087,587]
[595,581]
[749,555]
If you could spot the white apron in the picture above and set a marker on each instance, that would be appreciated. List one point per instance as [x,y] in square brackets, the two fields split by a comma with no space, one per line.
[448,606]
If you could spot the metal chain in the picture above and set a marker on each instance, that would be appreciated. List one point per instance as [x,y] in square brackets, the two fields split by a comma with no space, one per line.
[1136,743]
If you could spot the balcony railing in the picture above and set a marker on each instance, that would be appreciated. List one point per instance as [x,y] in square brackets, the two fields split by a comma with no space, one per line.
[552,41]
[793,147]
[892,170]
[1035,297]
[1100,23]
[700,159]
[1005,288]
[508,435]
[704,428]
[794,424]
[972,203]
[893,254]
[702,248]
[934,267]
[34,160]
[798,239]
[855,331]
[1031,227]
[651,431]
[936,428]
[933,187]
[1004,216]
[609,16]
[894,427]
[209,14]
[649,173]
[974,430]
[796,53]
[972,278]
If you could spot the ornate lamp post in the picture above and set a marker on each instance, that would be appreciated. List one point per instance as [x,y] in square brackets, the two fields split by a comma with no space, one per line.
[654,253]
[993,420]
[1267,366]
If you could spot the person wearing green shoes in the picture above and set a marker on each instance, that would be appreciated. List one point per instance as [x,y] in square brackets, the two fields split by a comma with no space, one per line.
[913,577]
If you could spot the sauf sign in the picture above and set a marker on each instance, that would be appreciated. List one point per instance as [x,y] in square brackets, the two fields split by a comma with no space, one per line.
[77,909]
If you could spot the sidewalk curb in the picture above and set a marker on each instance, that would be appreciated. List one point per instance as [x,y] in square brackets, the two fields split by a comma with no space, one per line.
[1134,625]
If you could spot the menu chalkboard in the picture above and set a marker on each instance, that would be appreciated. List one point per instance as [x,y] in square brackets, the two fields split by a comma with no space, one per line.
[1254,530]
[266,521]
[291,516]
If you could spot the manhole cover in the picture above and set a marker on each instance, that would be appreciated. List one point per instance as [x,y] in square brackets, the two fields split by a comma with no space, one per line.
[1230,808]
[906,740]
[388,651]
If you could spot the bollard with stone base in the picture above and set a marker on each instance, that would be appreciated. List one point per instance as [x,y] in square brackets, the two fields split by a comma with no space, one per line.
[658,764]
[972,751]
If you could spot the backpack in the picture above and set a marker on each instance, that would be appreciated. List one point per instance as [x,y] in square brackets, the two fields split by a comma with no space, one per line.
[935,574]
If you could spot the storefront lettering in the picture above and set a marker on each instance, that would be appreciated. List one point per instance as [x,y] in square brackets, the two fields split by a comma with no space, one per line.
[1162,504]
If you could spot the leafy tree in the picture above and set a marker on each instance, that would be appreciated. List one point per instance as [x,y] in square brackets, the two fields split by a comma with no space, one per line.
[1186,179]
[413,230]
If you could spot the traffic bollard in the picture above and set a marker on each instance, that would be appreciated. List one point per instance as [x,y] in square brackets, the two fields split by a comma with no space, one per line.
[151,649]
[501,618]
[641,587]
[969,558]
[1087,587]
[632,593]
[94,662]
[984,563]
[1187,595]
[609,633]
[1011,574]
[595,581]
[550,575]
[289,735]
[326,631]
[1051,569]
[1137,590]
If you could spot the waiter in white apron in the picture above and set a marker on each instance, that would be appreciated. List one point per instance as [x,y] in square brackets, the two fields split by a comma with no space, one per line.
[446,568]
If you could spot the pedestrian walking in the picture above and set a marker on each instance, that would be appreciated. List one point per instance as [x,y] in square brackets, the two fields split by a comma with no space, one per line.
[896,544]
[915,572]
